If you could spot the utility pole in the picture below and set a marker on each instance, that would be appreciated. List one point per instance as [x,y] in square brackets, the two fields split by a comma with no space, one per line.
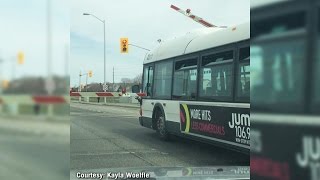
[113,79]
[67,78]
[13,71]
[1,61]
[79,89]
[50,82]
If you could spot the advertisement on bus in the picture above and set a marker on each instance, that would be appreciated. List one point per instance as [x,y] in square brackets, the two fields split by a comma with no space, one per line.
[226,123]
[287,152]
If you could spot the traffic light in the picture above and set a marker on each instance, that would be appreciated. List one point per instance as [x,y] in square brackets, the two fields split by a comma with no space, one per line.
[90,73]
[124,45]
[5,84]
[20,58]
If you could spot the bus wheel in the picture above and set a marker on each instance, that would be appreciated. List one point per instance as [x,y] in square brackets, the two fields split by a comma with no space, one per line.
[161,126]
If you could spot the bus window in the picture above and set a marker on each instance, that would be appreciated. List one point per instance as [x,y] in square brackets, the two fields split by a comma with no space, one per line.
[279,24]
[216,76]
[185,79]
[147,80]
[277,74]
[243,79]
[277,65]
[163,79]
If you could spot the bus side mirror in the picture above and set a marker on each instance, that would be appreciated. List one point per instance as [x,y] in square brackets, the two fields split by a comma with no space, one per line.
[135,89]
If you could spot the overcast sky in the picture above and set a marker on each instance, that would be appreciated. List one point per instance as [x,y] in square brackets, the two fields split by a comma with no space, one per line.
[143,22]
[24,28]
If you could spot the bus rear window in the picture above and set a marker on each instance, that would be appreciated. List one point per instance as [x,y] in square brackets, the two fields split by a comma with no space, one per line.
[277,74]
[279,24]
[217,58]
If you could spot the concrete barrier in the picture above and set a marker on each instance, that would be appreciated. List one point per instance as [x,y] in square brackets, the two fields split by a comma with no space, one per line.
[105,97]
[34,104]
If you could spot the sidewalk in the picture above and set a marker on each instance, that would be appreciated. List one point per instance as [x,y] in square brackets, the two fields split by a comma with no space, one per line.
[126,105]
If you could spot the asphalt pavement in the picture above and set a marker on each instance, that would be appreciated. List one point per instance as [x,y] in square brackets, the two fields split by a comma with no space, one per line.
[34,148]
[111,137]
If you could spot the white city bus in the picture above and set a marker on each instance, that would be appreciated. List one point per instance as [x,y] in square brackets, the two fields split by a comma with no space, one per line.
[198,86]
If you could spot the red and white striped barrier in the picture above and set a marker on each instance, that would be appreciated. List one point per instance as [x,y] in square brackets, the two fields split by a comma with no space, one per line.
[194,17]
[33,99]
[95,94]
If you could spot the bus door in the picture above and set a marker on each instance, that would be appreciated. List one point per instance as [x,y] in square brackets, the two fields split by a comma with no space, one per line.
[147,89]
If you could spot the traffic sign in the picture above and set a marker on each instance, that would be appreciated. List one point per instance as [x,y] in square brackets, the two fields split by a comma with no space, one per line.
[105,87]
[50,85]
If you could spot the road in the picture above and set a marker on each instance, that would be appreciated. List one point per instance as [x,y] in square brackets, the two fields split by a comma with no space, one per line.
[34,149]
[111,137]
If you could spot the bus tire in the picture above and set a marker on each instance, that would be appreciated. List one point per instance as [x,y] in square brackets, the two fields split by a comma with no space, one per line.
[161,126]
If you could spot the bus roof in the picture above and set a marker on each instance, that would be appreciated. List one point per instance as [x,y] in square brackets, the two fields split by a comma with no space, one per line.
[261,3]
[205,38]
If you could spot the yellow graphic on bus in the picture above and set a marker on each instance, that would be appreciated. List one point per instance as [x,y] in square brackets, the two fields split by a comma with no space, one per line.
[186,110]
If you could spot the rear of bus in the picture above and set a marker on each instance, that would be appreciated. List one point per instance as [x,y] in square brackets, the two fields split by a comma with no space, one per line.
[285,86]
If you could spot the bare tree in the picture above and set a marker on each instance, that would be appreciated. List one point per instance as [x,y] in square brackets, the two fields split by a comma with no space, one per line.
[126,80]
[137,79]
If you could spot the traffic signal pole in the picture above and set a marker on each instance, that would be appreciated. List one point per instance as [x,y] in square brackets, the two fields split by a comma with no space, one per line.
[86,74]
[139,47]
[87,82]
[104,49]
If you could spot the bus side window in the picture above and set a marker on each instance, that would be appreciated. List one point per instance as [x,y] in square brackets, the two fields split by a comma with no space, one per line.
[216,76]
[243,77]
[185,79]
[162,79]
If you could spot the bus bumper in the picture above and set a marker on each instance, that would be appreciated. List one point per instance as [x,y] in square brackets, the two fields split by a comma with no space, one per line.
[140,121]
[145,121]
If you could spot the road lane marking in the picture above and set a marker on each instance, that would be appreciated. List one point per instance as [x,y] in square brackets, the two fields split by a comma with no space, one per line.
[120,153]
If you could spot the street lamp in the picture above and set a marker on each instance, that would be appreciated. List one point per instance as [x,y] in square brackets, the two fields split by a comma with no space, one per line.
[104,46]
